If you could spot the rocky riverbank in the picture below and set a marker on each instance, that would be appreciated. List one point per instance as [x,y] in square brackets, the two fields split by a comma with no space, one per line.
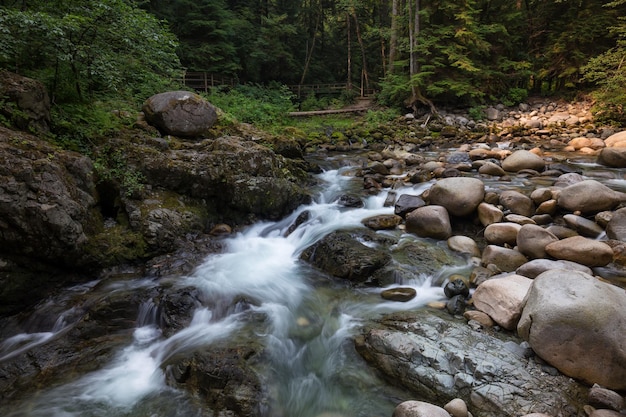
[542,303]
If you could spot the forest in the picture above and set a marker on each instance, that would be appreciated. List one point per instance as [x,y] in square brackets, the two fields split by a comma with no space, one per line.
[409,52]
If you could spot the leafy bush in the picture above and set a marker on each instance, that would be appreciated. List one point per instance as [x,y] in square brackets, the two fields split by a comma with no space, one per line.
[515,96]
[263,106]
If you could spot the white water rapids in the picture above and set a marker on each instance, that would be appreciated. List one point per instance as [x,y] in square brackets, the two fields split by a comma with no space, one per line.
[313,369]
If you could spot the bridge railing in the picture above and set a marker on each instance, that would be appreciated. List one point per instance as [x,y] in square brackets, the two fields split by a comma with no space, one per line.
[203,81]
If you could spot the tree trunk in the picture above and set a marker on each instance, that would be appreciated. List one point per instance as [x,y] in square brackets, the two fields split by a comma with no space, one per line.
[414,30]
[393,37]
[363,55]
[349,53]
[310,51]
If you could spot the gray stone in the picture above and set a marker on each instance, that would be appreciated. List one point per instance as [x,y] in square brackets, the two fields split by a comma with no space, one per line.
[460,195]
[418,409]
[536,267]
[582,250]
[506,260]
[464,244]
[521,159]
[502,299]
[589,196]
[613,157]
[532,241]
[577,323]
[407,203]
[517,203]
[429,221]
[382,221]
[180,113]
[583,226]
[441,359]
[616,227]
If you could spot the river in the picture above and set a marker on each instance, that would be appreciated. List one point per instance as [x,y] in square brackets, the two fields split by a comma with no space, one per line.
[310,368]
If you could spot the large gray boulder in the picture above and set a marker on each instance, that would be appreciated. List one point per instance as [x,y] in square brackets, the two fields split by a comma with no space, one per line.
[589,196]
[180,113]
[502,299]
[522,159]
[459,195]
[440,359]
[577,323]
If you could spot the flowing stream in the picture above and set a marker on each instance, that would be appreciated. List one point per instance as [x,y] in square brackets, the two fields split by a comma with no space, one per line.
[312,370]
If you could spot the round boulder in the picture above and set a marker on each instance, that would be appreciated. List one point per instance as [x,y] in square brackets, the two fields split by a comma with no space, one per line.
[459,195]
[502,299]
[582,250]
[180,113]
[589,196]
[419,409]
[517,203]
[502,233]
[532,240]
[506,260]
[616,228]
[613,157]
[429,221]
[577,324]
[521,159]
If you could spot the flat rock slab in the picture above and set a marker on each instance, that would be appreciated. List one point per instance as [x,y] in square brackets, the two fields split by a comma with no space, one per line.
[439,359]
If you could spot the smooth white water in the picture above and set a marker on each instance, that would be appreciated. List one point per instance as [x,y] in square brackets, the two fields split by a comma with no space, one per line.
[313,368]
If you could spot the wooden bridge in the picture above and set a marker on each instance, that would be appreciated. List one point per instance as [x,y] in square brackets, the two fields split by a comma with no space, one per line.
[204,81]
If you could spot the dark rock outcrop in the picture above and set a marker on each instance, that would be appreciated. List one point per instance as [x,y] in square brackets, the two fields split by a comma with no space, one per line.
[340,254]
[27,104]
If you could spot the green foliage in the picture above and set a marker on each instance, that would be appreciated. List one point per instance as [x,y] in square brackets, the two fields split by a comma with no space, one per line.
[262,106]
[394,90]
[112,165]
[77,126]
[88,47]
[515,96]
[477,112]
[379,117]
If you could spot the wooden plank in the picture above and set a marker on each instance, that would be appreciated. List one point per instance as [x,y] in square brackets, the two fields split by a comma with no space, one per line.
[323,112]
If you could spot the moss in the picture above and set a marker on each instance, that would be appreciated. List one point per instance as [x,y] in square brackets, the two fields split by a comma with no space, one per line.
[116,245]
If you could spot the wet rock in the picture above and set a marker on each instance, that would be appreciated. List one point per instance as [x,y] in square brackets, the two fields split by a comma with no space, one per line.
[456,287]
[223,378]
[489,214]
[350,201]
[402,294]
[236,178]
[576,323]
[540,195]
[616,227]
[490,168]
[180,113]
[517,203]
[441,359]
[521,159]
[502,233]
[502,299]
[605,398]
[221,230]
[382,221]
[456,408]
[536,267]
[589,196]
[460,196]
[613,157]
[343,256]
[456,305]
[479,317]
[583,226]
[580,249]
[506,260]
[532,241]
[429,221]
[418,409]
[464,244]
[407,203]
